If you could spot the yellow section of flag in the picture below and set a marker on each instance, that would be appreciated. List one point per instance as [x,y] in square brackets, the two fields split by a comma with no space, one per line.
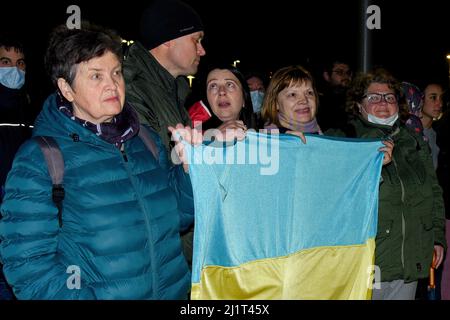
[332,273]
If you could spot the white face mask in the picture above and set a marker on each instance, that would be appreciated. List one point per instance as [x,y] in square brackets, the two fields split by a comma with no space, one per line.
[384,121]
[375,120]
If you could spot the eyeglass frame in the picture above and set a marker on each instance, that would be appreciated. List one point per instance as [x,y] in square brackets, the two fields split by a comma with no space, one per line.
[382,97]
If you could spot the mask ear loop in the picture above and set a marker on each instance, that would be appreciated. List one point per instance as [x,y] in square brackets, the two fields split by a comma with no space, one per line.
[362,110]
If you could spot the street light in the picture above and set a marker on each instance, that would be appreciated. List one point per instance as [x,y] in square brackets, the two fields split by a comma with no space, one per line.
[235,63]
[190,78]
[448,62]
[127,42]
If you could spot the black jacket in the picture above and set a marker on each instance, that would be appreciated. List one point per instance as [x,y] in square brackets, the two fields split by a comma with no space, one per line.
[14,126]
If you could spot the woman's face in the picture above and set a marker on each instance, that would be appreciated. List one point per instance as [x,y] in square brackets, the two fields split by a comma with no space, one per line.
[432,106]
[225,94]
[380,101]
[298,102]
[98,91]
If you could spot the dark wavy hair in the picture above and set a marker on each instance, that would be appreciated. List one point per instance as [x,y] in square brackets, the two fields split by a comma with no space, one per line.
[69,47]
[246,115]
[9,42]
[361,83]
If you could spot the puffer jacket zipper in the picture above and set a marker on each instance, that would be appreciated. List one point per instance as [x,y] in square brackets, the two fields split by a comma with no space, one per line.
[147,223]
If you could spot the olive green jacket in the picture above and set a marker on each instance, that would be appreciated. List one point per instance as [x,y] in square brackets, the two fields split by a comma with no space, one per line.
[411,212]
[156,95]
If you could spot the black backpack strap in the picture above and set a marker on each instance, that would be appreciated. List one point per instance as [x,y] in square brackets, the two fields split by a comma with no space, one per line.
[55,165]
[148,141]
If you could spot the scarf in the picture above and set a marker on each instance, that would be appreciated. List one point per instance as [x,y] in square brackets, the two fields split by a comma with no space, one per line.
[122,127]
[294,125]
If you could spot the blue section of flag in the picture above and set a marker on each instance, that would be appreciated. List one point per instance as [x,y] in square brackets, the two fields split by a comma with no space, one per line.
[322,193]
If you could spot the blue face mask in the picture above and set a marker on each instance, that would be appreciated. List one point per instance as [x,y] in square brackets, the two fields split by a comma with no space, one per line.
[257,100]
[12,77]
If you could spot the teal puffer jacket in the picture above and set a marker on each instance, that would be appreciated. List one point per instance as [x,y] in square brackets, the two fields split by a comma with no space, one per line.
[121,219]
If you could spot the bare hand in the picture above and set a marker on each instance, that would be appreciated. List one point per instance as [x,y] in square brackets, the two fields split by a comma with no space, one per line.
[232,124]
[184,133]
[230,130]
[438,256]
[387,149]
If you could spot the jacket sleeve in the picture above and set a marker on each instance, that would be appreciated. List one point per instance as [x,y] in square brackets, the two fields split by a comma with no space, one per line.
[438,212]
[180,183]
[136,97]
[29,233]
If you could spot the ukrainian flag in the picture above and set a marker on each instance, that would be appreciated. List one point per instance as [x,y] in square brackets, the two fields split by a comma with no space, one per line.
[304,229]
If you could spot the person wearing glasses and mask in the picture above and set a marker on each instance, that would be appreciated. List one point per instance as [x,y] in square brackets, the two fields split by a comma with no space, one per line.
[411,210]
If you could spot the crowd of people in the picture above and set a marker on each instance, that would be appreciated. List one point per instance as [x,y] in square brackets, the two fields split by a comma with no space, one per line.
[127,218]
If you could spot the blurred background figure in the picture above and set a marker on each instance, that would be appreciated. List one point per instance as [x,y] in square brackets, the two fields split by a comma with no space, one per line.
[15,117]
[414,98]
[431,112]
[336,77]
[442,127]
[257,86]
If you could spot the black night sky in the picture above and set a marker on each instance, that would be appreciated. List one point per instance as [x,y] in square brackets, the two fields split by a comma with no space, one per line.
[412,43]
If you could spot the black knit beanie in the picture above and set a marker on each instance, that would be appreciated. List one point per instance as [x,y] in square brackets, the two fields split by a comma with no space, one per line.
[166,20]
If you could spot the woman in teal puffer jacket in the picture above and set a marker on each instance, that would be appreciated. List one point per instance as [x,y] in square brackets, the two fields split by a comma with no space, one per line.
[123,208]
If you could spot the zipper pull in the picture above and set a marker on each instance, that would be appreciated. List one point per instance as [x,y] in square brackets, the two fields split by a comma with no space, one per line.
[122,151]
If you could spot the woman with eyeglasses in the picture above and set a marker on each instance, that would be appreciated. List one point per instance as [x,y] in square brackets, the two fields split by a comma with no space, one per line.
[410,212]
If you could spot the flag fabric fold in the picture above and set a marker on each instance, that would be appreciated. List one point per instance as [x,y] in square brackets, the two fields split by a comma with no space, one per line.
[279,219]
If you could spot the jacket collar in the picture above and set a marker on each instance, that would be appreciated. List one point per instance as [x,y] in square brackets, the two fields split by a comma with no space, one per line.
[141,63]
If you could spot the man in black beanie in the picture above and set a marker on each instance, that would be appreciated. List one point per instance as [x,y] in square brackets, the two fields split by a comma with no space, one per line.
[154,68]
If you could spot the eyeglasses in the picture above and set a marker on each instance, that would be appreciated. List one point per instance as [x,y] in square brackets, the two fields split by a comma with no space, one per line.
[341,73]
[373,98]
